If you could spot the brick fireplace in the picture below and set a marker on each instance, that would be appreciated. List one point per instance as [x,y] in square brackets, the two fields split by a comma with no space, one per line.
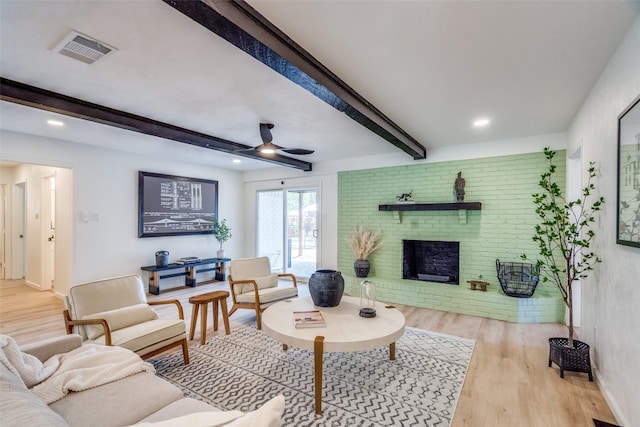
[431,261]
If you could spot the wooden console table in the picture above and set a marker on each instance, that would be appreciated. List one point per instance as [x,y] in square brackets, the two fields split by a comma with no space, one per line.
[189,272]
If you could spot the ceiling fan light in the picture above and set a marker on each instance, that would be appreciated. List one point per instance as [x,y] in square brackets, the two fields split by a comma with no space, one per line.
[267,148]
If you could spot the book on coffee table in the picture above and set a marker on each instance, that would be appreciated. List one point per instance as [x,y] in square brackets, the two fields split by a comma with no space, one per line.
[308,319]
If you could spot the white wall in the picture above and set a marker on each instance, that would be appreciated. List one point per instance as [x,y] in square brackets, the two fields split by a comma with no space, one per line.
[105,183]
[611,296]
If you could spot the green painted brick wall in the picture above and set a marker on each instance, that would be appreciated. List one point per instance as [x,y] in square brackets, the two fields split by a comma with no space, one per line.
[501,229]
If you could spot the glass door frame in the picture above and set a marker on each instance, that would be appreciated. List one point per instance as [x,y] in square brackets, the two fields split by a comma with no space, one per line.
[282,263]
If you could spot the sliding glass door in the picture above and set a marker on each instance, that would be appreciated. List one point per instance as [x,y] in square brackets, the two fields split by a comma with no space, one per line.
[287,230]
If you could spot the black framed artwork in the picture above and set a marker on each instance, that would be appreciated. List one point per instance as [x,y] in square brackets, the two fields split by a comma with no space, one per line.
[171,205]
[628,225]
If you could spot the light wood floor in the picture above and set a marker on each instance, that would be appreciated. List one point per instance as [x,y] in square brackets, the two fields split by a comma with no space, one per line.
[508,382]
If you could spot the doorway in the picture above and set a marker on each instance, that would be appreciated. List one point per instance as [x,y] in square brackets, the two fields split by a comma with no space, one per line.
[39,223]
[48,231]
[19,230]
[287,230]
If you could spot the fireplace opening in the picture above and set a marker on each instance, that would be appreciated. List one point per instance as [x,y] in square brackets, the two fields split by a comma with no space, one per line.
[431,261]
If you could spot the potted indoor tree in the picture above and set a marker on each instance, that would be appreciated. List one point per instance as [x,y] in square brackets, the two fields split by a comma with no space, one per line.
[363,242]
[564,238]
[222,233]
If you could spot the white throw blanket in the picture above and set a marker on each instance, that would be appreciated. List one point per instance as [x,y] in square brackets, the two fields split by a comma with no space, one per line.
[29,369]
[86,367]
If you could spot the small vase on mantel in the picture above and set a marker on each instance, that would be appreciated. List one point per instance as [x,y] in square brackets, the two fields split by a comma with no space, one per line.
[220,254]
[362,267]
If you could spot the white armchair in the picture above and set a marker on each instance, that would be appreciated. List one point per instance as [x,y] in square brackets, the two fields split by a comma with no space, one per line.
[253,286]
[116,312]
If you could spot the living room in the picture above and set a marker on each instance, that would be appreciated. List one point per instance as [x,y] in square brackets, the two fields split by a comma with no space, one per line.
[100,184]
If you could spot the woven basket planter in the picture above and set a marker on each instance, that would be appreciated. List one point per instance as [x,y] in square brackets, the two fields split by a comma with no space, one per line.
[574,359]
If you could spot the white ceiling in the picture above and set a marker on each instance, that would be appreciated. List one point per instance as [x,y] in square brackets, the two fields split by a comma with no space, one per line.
[430,66]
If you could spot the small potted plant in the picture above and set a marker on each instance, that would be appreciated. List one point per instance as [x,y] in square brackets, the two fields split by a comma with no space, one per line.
[363,242]
[564,237]
[222,233]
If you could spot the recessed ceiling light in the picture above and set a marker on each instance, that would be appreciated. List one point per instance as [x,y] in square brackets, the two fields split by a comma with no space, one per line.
[237,161]
[481,122]
[55,122]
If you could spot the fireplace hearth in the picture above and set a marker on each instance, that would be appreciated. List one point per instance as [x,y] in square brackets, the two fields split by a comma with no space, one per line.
[431,261]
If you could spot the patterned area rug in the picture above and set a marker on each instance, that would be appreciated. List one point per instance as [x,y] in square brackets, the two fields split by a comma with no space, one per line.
[245,369]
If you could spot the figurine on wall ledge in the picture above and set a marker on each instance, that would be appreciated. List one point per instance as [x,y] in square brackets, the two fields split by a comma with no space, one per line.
[459,187]
[405,197]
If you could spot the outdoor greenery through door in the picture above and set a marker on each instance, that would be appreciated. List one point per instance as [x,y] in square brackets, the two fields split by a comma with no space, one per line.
[287,230]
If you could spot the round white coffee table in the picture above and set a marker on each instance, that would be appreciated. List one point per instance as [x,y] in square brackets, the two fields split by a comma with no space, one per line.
[345,330]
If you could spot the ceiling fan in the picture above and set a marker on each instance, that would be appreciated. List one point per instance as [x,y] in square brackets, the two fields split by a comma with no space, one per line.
[268,147]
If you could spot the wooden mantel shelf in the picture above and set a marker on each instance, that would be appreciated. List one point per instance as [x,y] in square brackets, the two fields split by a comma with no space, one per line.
[469,206]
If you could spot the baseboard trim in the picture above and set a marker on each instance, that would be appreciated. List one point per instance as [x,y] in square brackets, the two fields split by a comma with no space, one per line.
[611,401]
[32,285]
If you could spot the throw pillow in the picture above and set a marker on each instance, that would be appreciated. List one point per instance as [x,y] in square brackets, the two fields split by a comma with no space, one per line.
[120,318]
[268,415]
[263,282]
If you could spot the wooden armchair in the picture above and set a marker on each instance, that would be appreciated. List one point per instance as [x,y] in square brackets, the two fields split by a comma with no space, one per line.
[253,286]
[116,312]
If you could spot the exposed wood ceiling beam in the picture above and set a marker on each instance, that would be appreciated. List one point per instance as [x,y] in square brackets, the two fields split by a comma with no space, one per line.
[42,99]
[245,28]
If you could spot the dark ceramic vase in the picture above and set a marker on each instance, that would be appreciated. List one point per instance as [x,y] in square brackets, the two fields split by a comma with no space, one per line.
[162,259]
[326,288]
[362,267]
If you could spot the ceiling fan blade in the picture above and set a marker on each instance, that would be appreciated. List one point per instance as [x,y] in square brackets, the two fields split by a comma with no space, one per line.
[298,151]
[265,133]
[269,147]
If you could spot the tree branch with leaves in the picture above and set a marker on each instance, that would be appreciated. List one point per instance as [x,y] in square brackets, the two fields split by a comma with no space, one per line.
[564,235]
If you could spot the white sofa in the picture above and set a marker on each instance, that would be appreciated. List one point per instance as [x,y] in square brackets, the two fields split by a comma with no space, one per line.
[138,398]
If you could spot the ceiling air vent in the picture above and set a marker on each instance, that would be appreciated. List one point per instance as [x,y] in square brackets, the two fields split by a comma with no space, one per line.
[83,48]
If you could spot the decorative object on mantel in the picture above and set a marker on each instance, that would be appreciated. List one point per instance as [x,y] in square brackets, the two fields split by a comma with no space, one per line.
[458,186]
[363,242]
[221,232]
[405,198]
[564,236]
[326,288]
[367,299]
[478,283]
